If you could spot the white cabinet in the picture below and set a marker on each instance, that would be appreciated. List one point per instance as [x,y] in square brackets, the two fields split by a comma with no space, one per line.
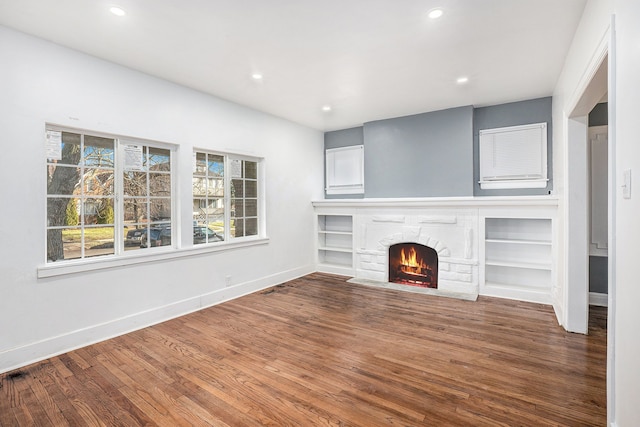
[335,244]
[518,258]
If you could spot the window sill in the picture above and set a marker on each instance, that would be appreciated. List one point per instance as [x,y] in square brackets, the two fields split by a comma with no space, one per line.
[92,264]
[516,183]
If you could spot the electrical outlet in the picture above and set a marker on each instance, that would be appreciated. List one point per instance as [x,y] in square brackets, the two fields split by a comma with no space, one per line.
[227,281]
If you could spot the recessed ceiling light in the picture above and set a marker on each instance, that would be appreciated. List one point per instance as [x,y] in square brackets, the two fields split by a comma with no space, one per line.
[435,13]
[256,76]
[118,11]
[462,80]
[326,108]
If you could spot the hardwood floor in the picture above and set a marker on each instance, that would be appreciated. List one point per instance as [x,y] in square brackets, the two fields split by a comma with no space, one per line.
[320,351]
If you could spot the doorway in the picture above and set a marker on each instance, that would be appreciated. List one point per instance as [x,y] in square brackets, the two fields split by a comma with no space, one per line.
[578,215]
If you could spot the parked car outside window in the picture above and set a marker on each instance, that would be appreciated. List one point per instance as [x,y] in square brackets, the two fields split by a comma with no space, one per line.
[202,234]
[159,236]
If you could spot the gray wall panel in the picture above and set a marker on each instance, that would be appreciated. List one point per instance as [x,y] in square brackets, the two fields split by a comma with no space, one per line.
[598,274]
[435,154]
[425,155]
[343,138]
[599,116]
[512,114]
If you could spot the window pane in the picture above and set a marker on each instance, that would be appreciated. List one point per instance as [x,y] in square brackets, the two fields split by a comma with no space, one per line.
[160,209]
[250,189]
[216,165]
[98,182]
[98,241]
[158,235]
[251,227]
[250,207]
[64,244]
[237,188]
[199,186]
[98,211]
[70,149]
[62,211]
[135,210]
[251,170]
[237,227]
[203,234]
[98,152]
[201,164]
[216,187]
[159,159]
[159,184]
[62,180]
[133,237]
[237,208]
[135,184]
[215,215]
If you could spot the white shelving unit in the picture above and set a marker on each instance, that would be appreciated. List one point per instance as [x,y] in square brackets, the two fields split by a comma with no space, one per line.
[518,258]
[335,244]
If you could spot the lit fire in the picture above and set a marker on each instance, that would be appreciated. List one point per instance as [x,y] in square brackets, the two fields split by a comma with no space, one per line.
[411,263]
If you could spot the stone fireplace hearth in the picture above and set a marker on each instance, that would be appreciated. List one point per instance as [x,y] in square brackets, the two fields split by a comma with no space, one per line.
[449,235]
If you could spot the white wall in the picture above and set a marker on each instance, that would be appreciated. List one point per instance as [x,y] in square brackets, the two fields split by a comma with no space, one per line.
[41,82]
[626,352]
[624,107]
[584,54]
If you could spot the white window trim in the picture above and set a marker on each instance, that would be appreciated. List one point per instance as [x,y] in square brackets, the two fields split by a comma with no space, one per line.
[335,181]
[164,253]
[261,173]
[520,181]
[119,249]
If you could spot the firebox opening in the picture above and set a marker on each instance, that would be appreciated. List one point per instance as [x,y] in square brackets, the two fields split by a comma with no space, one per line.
[413,264]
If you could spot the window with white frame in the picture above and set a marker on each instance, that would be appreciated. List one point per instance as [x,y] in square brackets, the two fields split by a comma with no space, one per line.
[514,157]
[225,197]
[106,195]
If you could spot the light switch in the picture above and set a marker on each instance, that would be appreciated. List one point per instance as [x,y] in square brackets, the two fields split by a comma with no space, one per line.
[626,184]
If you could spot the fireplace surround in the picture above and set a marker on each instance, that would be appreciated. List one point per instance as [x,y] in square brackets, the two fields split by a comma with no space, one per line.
[496,246]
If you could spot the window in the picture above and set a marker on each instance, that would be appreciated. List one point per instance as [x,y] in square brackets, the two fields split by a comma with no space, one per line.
[225,197]
[105,195]
[514,157]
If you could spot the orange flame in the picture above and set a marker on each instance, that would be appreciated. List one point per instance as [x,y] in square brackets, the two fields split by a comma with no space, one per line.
[412,259]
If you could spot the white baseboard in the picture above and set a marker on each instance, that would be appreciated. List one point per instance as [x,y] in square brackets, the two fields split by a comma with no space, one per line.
[34,352]
[600,300]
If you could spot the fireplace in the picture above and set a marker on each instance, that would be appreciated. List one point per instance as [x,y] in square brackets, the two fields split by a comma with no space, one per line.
[413,264]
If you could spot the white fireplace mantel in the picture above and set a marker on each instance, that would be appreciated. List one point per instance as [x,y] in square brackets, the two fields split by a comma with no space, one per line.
[498,246]
[434,202]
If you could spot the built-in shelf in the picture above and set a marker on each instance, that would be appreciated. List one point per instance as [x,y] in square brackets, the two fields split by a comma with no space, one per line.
[519,242]
[334,249]
[335,244]
[518,257]
[346,233]
[526,265]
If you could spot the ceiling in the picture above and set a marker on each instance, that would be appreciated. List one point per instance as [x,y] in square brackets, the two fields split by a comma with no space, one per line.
[366,59]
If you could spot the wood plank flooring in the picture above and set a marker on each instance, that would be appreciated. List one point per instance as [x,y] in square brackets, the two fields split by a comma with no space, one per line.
[320,351]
